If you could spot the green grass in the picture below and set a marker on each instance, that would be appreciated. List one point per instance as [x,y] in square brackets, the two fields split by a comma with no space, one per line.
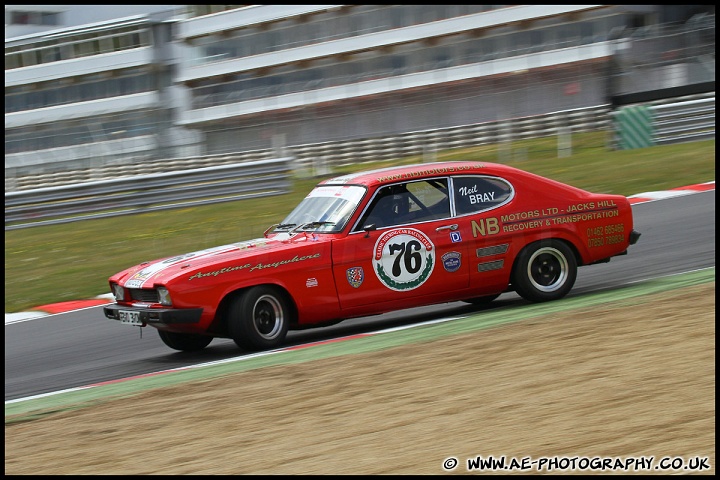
[73,261]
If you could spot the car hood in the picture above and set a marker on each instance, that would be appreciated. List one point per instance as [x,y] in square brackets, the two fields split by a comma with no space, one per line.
[235,255]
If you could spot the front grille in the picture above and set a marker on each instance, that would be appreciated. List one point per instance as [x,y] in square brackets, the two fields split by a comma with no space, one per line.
[148,295]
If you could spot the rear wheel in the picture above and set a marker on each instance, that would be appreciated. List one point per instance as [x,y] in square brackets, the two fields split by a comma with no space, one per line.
[545,270]
[259,319]
[185,342]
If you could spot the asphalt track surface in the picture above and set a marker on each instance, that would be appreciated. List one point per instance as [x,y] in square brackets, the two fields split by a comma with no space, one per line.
[81,347]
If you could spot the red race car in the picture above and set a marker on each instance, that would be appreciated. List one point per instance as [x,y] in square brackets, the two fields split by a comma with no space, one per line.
[377,241]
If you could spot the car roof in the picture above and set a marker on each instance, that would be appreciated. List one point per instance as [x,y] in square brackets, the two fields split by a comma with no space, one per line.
[419,171]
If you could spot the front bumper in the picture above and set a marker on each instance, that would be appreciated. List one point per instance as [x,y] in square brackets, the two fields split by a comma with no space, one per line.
[156,316]
[634,237]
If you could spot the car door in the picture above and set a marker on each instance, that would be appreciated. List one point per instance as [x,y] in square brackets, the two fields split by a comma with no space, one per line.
[411,249]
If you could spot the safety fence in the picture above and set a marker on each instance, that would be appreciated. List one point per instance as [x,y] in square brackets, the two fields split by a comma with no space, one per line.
[318,157]
[146,193]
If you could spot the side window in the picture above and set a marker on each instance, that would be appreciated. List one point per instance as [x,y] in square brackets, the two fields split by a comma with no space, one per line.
[475,194]
[407,203]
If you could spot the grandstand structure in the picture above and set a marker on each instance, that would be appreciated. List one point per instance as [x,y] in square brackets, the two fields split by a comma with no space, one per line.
[92,94]
[221,79]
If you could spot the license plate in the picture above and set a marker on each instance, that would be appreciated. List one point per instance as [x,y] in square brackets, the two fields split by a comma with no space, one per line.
[129,317]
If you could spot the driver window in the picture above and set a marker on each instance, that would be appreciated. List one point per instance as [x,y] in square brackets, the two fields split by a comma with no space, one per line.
[406,203]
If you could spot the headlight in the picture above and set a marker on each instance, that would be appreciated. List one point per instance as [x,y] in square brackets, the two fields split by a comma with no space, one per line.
[164,296]
[118,291]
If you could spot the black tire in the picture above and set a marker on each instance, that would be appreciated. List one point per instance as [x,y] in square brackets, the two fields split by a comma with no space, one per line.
[545,270]
[259,318]
[481,300]
[186,342]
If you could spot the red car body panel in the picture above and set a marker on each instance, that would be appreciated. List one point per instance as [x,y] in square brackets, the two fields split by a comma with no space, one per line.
[332,275]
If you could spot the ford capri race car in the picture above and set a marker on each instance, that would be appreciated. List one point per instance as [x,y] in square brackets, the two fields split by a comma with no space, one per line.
[377,241]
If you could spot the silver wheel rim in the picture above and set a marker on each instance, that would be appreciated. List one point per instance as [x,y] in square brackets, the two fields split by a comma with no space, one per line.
[547,269]
[268,317]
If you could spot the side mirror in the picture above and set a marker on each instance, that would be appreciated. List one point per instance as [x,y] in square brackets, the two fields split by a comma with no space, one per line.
[369,228]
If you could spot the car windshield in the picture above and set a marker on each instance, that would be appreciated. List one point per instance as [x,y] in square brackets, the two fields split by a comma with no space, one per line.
[327,208]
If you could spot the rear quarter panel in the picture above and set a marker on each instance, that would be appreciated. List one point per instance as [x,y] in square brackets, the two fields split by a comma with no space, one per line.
[597,225]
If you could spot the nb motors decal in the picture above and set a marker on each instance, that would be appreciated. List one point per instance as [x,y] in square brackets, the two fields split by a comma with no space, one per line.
[403,259]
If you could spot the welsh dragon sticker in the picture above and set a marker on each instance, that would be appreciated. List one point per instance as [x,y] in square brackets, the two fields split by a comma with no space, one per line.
[403,259]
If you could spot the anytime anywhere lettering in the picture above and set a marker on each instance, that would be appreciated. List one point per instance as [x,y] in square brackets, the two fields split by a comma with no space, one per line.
[218,272]
[259,266]
[284,262]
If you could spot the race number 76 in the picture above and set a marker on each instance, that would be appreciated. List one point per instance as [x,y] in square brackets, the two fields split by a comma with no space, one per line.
[409,254]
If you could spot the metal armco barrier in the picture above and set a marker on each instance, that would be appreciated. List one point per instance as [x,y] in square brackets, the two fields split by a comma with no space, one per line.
[677,122]
[146,193]
[316,157]
[684,121]
[330,154]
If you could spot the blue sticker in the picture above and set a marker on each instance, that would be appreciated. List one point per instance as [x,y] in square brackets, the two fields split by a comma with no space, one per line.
[455,237]
[451,261]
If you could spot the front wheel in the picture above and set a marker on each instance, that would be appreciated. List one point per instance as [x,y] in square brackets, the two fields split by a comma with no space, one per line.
[259,319]
[545,270]
[185,342]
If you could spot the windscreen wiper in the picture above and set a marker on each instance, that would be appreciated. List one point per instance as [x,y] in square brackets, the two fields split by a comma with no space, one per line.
[278,226]
[309,225]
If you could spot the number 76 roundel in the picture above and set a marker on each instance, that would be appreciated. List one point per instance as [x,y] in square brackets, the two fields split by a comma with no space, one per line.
[403,259]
